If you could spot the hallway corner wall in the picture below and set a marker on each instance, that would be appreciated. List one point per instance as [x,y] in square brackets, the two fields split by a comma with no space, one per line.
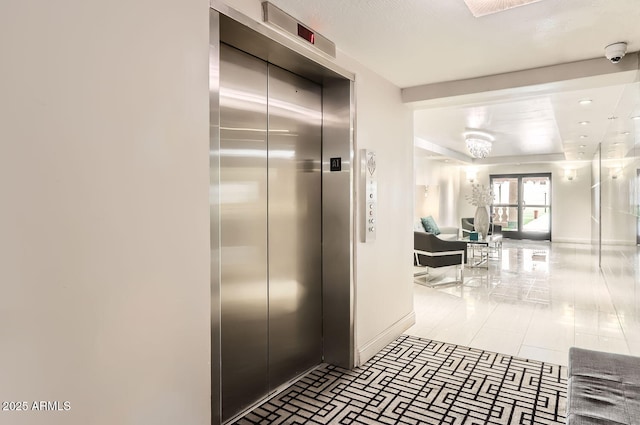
[104,268]
[384,270]
[442,183]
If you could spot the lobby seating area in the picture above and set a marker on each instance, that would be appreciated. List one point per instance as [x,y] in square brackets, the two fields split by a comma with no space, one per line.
[435,248]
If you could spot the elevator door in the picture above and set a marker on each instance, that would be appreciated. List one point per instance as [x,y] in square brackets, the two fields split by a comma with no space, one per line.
[270,200]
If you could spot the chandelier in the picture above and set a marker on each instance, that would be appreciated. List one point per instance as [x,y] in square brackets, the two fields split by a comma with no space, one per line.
[478,148]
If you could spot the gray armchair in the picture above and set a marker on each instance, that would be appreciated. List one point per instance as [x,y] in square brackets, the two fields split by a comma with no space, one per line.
[433,252]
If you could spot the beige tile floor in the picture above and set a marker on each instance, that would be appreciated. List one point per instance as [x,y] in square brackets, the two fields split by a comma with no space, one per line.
[538,300]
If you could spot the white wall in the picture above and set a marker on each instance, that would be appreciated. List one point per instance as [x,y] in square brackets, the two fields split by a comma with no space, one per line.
[104,247]
[443,183]
[571,200]
[384,268]
[619,201]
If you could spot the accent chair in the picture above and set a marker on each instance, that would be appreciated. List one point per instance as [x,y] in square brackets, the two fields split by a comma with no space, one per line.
[432,252]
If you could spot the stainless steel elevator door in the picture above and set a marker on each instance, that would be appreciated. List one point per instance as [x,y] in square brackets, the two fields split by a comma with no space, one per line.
[295,225]
[271,227]
[243,230]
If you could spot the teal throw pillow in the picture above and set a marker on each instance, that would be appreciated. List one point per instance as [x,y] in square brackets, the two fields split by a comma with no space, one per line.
[430,225]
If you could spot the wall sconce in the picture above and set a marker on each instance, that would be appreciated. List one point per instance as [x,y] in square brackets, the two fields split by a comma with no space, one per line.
[426,191]
[570,174]
[615,172]
[472,175]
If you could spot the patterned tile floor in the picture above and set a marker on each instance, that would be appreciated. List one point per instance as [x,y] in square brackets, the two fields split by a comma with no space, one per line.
[416,381]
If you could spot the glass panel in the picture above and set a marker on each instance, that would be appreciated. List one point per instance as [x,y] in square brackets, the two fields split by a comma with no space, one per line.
[536,219]
[505,205]
[505,190]
[536,191]
[507,217]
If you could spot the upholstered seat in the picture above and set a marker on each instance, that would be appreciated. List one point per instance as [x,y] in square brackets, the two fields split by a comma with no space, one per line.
[446,232]
[433,252]
[603,388]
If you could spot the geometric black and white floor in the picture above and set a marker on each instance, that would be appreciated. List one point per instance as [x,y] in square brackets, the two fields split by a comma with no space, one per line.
[419,381]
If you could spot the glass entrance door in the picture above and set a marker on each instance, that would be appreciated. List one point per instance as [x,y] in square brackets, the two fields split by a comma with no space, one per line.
[522,205]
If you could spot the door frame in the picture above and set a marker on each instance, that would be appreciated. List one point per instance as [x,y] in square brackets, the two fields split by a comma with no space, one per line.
[228,26]
[520,233]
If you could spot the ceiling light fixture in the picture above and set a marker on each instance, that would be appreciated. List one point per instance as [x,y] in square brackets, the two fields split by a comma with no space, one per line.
[637,117]
[583,146]
[479,142]
[478,148]
[583,136]
[583,122]
[486,7]
[585,101]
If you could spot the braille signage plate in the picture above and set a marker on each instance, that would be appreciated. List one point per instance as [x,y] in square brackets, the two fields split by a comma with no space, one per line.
[336,164]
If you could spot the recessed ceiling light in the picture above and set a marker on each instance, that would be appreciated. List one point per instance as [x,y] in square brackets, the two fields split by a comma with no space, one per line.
[625,133]
[583,136]
[487,7]
[580,153]
[585,101]
[637,117]
[583,122]
[583,146]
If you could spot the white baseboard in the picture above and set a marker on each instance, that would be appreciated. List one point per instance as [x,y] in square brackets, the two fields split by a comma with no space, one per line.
[589,241]
[389,335]
[618,242]
[572,240]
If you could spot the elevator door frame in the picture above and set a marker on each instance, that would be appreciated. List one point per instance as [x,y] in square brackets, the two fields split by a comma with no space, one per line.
[338,234]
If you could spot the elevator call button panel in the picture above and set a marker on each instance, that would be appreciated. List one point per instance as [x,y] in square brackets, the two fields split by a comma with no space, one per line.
[369,175]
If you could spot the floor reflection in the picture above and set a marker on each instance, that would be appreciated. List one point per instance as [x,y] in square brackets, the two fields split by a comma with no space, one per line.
[538,300]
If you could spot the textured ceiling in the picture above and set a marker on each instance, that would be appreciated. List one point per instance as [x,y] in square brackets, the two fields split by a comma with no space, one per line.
[413,42]
[417,42]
